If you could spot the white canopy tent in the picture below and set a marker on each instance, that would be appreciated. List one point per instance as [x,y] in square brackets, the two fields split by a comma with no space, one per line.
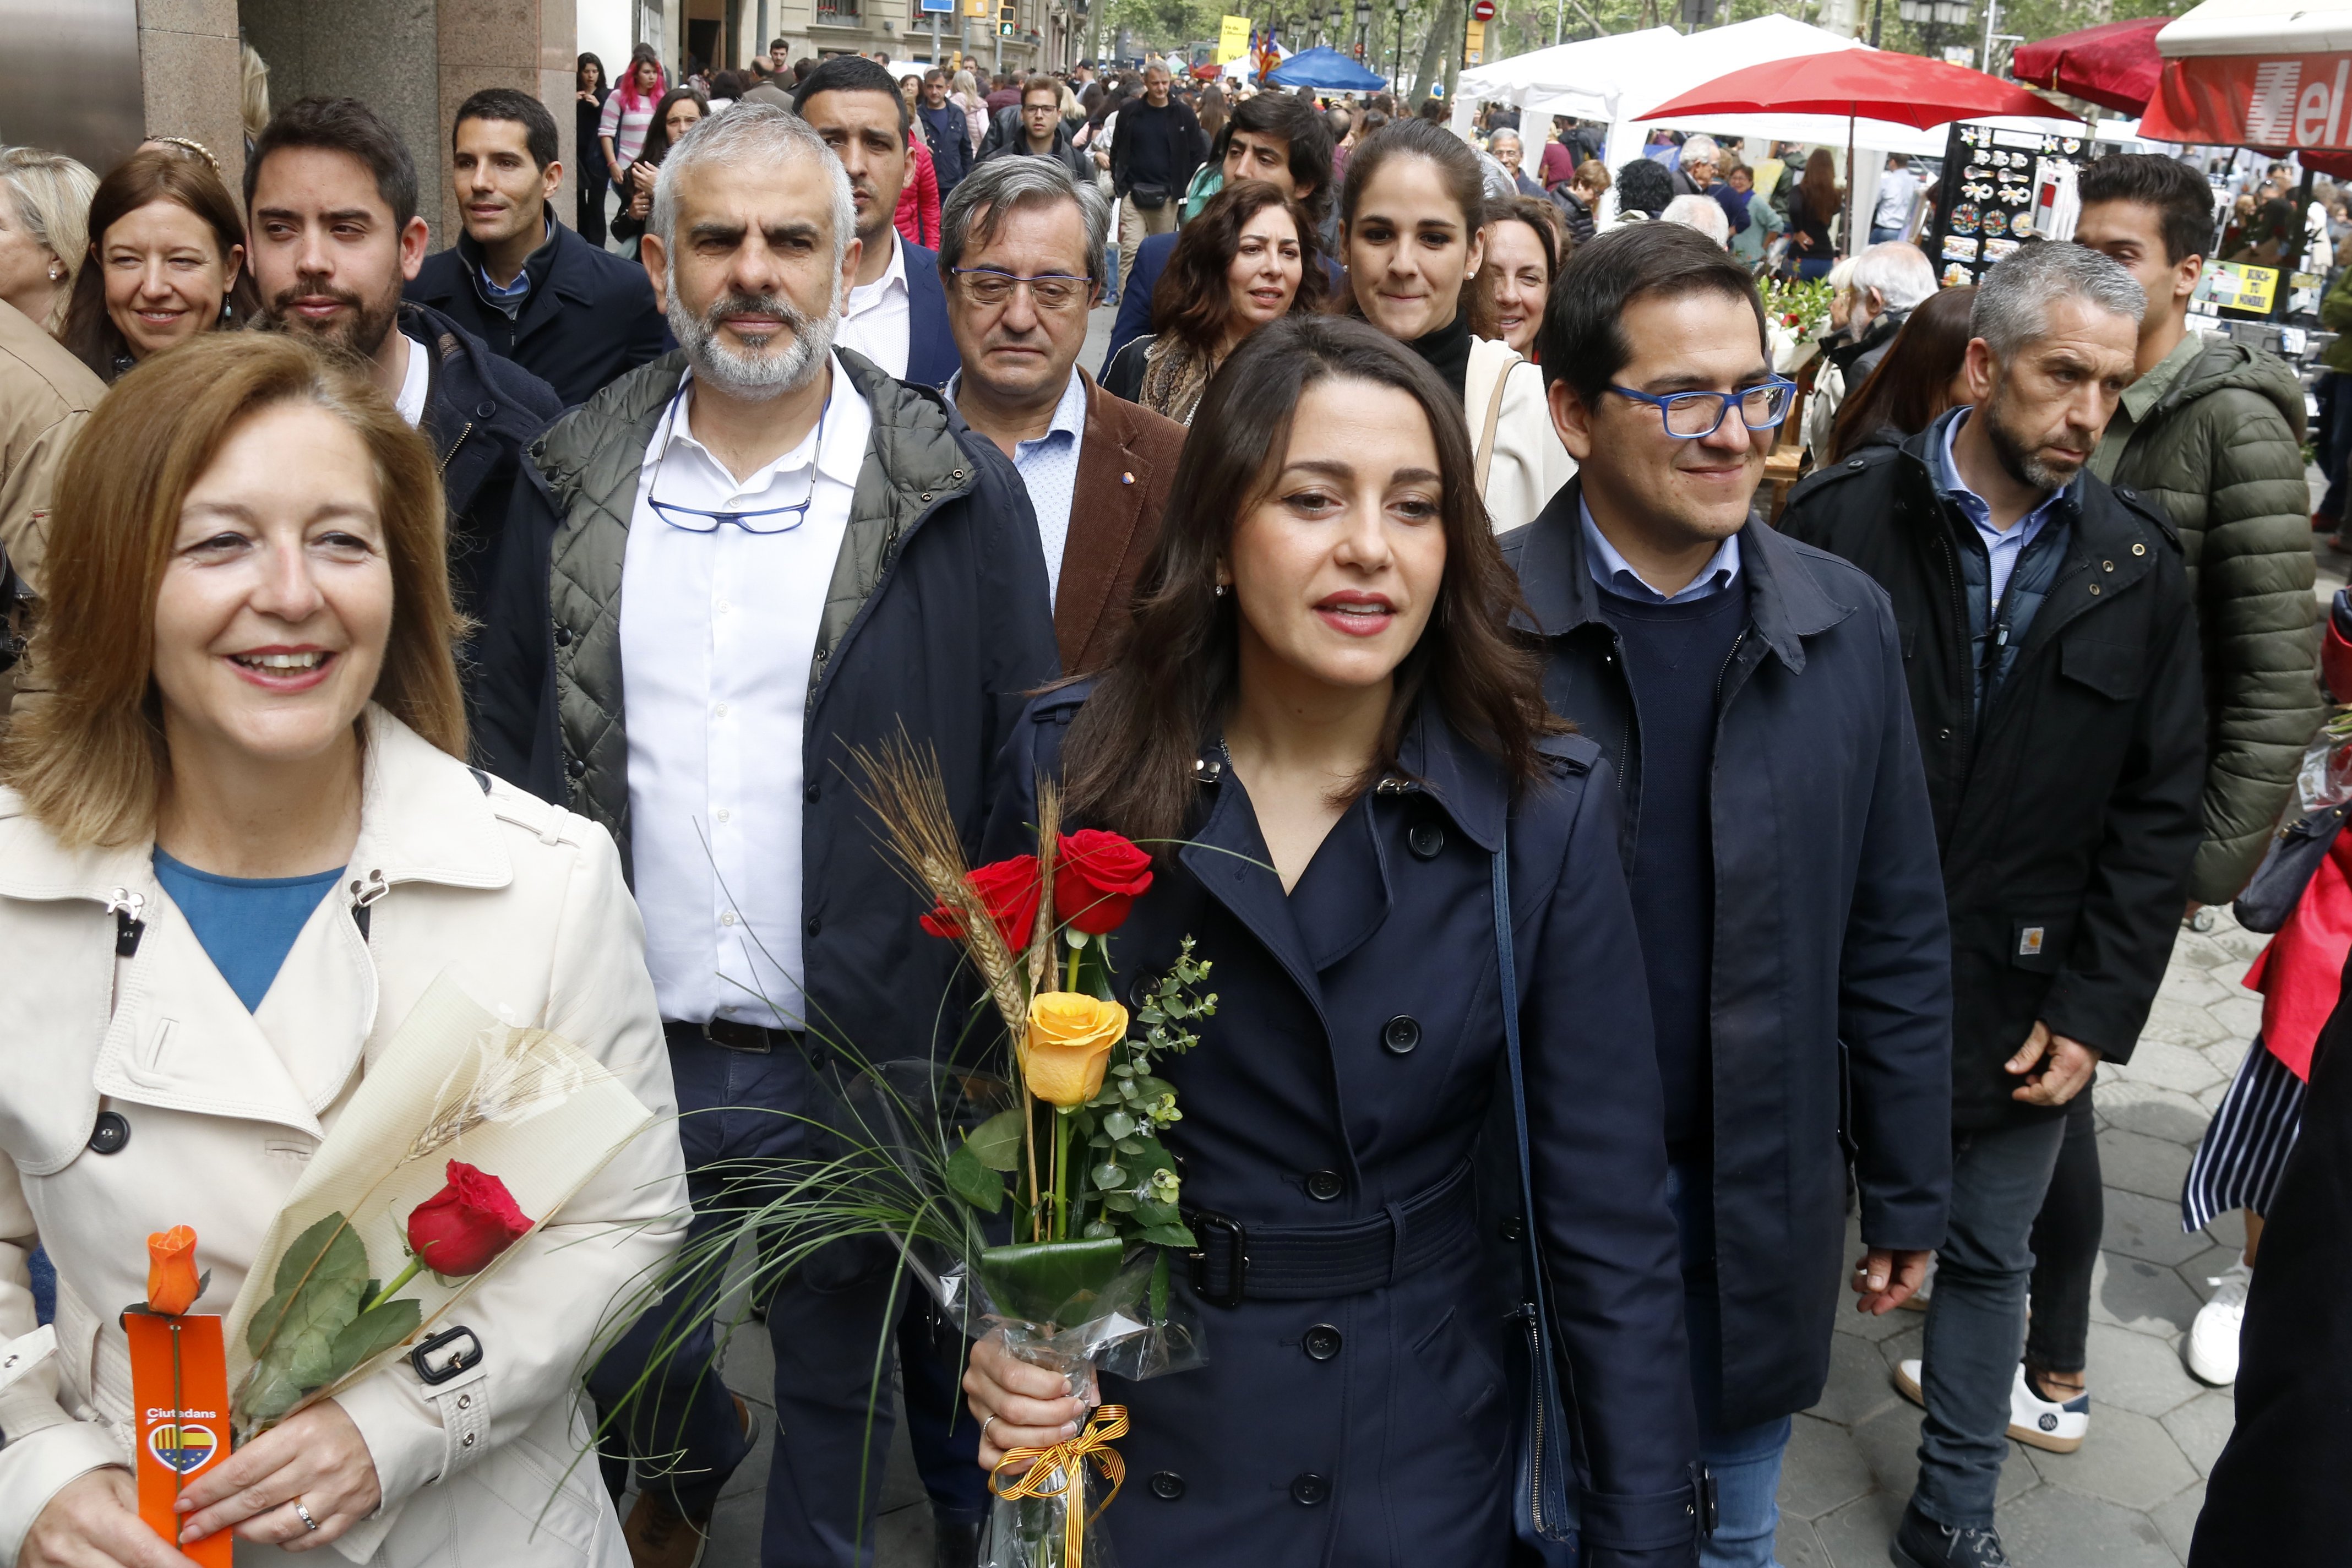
[1619,76]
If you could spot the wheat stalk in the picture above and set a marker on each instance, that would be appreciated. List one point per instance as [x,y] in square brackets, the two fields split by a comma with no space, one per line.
[903,790]
[1044,961]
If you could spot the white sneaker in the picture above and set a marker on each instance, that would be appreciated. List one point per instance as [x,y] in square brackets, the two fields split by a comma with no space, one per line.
[2040,1423]
[2043,1423]
[2211,1350]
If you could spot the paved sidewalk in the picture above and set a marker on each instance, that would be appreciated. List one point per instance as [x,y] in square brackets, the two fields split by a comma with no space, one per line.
[2129,1497]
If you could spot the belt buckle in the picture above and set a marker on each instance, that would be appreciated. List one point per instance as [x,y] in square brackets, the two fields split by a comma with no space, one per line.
[460,1360]
[756,1042]
[1235,1238]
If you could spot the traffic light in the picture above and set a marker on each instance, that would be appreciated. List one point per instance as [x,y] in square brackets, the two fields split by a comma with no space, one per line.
[1007,15]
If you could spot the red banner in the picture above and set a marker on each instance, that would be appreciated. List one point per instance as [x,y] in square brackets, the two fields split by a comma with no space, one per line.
[2254,100]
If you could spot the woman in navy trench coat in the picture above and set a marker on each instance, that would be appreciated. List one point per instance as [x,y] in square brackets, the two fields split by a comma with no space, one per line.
[1356,1407]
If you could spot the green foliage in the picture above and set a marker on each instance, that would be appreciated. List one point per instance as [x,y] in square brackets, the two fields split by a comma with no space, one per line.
[295,1338]
[1051,1281]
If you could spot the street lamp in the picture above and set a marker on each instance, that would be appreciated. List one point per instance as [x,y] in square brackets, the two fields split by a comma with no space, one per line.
[1335,20]
[1396,80]
[1363,28]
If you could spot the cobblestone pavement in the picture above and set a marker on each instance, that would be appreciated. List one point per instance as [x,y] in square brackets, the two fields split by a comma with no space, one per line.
[2129,1497]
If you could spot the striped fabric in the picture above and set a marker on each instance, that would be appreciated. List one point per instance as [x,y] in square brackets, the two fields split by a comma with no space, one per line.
[2238,1164]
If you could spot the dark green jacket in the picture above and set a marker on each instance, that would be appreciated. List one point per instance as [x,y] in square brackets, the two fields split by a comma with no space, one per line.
[2219,447]
[2336,315]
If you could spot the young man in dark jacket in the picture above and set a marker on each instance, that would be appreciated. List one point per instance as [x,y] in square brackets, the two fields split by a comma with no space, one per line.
[817,558]
[572,314]
[1154,149]
[1790,910]
[2050,647]
[946,132]
[331,199]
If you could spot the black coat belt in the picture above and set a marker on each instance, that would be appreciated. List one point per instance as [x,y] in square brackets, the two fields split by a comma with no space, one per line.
[1235,1262]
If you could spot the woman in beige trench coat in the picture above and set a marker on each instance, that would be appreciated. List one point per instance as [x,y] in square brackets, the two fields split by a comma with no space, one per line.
[247,636]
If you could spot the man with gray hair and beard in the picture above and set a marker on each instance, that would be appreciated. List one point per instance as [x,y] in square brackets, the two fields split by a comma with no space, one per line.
[747,561]
[2050,645]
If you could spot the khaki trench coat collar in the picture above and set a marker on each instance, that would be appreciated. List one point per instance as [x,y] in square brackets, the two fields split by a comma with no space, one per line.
[419,822]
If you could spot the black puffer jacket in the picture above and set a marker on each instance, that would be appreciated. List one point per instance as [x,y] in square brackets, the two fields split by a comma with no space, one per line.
[2067,813]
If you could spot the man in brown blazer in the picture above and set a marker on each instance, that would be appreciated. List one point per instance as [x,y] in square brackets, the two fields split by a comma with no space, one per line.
[1021,247]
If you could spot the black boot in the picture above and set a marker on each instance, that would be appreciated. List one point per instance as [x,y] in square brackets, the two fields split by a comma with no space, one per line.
[1921,1542]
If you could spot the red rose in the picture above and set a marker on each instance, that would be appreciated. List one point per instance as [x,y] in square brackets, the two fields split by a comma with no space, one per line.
[1098,880]
[1009,890]
[461,1228]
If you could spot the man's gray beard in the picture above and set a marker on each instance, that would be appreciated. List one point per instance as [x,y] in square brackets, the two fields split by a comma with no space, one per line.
[2018,459]
[757,376]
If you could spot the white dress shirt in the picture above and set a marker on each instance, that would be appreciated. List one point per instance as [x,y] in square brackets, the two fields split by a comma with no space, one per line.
[878,318]
[416,386]
[1048,467]
[717,633]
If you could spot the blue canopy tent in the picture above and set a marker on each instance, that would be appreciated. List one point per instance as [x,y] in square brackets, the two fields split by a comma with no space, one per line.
[1325,67]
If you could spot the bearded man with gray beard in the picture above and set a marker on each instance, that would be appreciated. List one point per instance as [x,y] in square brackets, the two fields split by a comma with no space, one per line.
[2049,641]
[741,564]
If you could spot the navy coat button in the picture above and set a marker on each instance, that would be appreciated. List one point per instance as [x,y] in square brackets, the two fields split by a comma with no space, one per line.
[1325,1185]
[1426,840]
[1167,1486]
[485,410]
[111,1133]
[1512,1229]
[814,925]
[813,794]
[1310,1490]
[1321,1342]
[563,636]
[576,768]
[1402,1035]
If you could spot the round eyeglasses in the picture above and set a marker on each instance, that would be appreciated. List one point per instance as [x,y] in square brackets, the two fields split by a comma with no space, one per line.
[1693,415]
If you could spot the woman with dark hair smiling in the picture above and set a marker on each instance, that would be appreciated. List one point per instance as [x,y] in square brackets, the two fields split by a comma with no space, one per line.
[166,262]
[1248,260]
[1322,724]
[1525,241]
[1411,212]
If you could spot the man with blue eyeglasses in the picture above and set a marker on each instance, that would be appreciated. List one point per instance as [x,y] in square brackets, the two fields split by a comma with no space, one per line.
[1749,693]
[752,560]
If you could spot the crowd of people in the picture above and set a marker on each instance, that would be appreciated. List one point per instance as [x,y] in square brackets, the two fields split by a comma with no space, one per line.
[518,611]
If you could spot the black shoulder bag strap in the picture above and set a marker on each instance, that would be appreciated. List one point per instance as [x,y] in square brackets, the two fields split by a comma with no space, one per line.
[1543,1503]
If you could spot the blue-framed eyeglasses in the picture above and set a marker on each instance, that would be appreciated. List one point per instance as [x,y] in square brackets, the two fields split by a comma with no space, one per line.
[761,519]
[1693,415]
[989,287]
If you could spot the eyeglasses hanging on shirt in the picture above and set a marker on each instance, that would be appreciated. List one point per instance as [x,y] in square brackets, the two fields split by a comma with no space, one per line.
[757,520]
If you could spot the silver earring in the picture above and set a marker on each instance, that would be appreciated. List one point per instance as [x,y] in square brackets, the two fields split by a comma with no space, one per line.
[1221,590]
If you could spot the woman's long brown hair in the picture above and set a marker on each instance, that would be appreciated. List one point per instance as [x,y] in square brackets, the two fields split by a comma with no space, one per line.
[1193,300]
[1128,765]
[90,757]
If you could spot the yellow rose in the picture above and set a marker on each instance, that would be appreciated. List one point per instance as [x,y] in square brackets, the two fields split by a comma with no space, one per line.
[1068,1048]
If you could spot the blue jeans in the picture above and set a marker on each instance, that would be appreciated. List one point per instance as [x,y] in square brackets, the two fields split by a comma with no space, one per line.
[1815,268]
[1976,1319]
[1744,1461]
[824,1319]
[1881,235]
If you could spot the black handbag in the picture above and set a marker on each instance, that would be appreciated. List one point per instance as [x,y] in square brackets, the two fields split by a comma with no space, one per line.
[2286,870]
[1543,1500]
[1149,198]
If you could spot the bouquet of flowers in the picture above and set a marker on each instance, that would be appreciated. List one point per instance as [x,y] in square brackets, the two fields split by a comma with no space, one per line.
[1796,315]
[1075,1275]
[315,1315]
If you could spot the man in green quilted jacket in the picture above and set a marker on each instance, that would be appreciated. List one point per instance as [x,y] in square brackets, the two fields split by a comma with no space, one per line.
[2213,431]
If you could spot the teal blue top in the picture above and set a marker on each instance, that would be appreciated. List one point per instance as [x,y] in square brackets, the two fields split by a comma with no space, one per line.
[245,924]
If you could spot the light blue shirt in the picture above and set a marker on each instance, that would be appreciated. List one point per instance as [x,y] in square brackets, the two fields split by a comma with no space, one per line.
[511,297]
[1615,573]
[2002,549]
[1049,465]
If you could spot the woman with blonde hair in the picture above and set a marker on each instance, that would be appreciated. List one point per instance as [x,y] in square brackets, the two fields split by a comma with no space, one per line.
[253,93]
[238,843]
[44,231]
[964,89]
